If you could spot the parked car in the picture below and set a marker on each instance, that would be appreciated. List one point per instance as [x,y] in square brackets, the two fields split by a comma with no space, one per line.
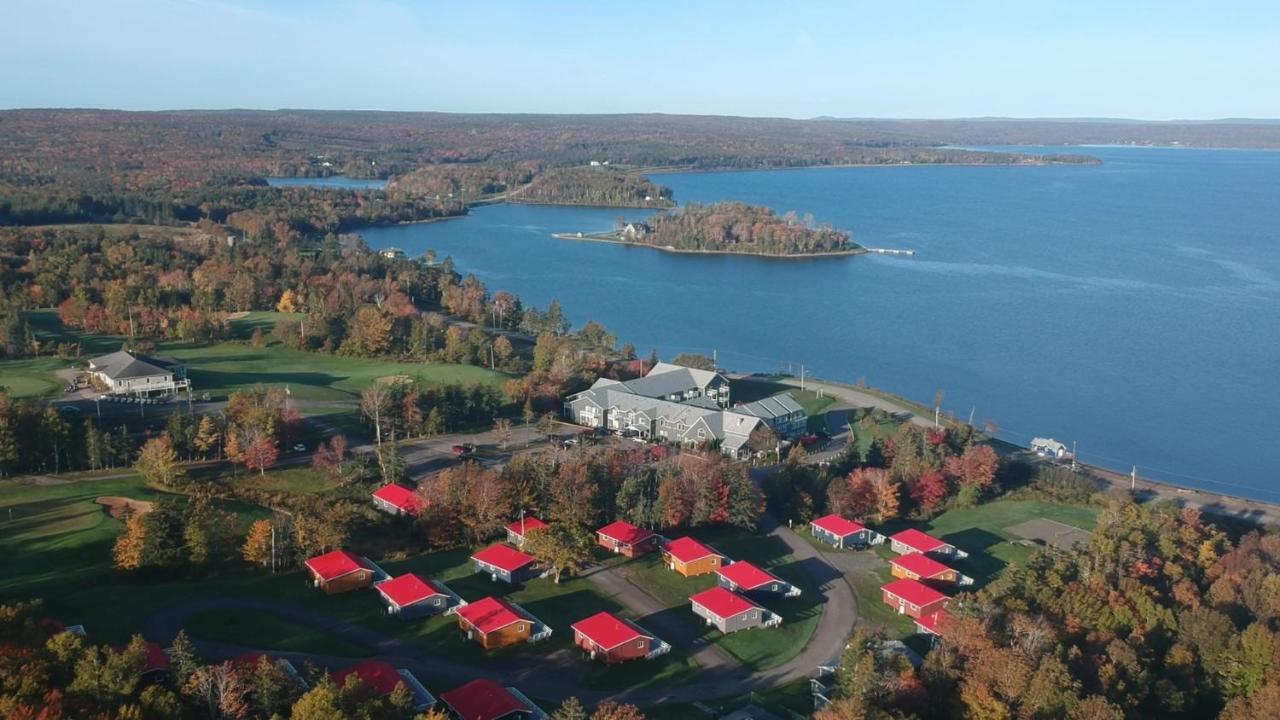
[299,447]
[569,442]
[807,440]
[464,449]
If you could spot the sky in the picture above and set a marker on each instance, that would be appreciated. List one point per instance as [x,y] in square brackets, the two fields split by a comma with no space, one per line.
[895,58]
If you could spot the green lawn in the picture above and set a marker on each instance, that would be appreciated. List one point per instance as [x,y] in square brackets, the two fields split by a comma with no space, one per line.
[758,649]
[815,406]
[221,368]
[785,700]
[255,630]
[294,481]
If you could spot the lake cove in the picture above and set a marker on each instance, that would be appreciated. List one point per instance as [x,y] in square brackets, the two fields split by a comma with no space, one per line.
[333,181]
[1128,306]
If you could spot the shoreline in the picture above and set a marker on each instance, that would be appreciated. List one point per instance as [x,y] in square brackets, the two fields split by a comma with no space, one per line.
[859,250]
[1212,503]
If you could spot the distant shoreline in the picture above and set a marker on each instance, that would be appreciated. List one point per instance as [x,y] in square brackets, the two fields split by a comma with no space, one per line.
[597,237]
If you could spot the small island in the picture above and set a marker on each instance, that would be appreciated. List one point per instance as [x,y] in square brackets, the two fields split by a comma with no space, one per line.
[732,228]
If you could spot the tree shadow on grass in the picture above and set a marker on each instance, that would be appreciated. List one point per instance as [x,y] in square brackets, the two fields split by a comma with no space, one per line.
[981,564]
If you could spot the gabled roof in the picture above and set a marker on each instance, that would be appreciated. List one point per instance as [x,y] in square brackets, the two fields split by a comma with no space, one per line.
[520,527]
[687,550]
[408,589]
[933,622]
[378,676]
[503,557]
[625,533]
[914,592]
[920,564]
[123,364]
[771,407]
[491,614]
[482,700]
[919,541]
[838,526]
[723,603]
[401,497]
[746,575]
[333,565]
[608,631]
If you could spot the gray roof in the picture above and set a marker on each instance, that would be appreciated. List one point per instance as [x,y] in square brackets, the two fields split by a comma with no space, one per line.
[122,364]
[667,379]
[771,407]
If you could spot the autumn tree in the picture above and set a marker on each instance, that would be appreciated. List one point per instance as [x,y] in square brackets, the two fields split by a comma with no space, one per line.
[257,545]
[573,491]
[561,547]
[259,453]
[127,553]
[330,457]
[610,710]
[157,462]
[207,436]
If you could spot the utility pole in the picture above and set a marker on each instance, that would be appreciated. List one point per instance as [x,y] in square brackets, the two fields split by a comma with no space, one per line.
[273,547]
[715,359]
[1073,456]
[801,377]
[1133,479]
[972,410]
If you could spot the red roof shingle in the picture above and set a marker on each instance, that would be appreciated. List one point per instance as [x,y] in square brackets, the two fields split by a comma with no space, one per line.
[624,532]
[333,565]
[838,526]
[746,576]
[482,700]
[520,527]
[920,564]
[919,541]
[408,589]
[723,603]
[686,550]
[608,631]
[504,557]
[378,676]
[401,497]
[490,614]
[933,622]
[914,592]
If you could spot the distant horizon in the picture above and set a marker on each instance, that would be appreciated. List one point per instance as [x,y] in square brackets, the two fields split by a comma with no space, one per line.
[851,118]
[850,59]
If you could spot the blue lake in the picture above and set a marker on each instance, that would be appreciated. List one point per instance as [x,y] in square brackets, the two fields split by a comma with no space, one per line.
[333,181]
[1132,306]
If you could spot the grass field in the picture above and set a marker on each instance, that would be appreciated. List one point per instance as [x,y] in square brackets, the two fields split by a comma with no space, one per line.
[222,368]
[250,629]
[758,649]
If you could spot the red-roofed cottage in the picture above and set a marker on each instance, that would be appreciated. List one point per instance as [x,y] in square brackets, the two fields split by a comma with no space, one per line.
[339,571]
[411,595]
[843,533]
[744,577]
[915,541]
[932,624]
[382,678]
[917,566]
[690,557]
[398,500]
[487,700]
[729,611]
[913,598]
[626,539]
[612,639]
[503,562]
[495,623]
[517,530]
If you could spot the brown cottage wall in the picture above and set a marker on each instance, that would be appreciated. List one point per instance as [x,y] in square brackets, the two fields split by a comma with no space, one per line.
[701,566]
[503,637]
[347,583]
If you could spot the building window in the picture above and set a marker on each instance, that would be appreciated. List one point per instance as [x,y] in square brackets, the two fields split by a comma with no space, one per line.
[520,627]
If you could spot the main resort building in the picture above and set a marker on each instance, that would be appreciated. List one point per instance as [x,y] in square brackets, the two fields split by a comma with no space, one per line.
[686,406]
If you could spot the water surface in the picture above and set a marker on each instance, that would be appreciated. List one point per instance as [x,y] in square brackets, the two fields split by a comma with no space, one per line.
[333,181]
[1132,306]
